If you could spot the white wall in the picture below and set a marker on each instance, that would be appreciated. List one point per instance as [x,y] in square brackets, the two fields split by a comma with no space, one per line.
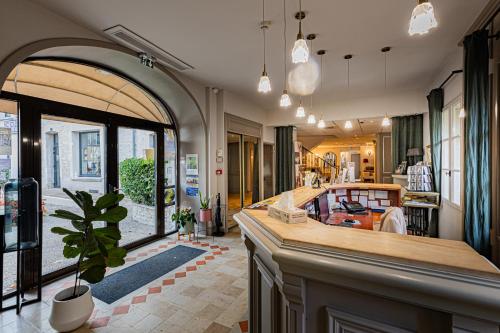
[450,218]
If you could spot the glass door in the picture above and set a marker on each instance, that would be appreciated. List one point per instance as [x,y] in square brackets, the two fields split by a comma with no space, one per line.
[73,156]
[137,179]
[234,193]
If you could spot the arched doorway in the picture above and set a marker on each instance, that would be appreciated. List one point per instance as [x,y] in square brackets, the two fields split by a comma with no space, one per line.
[80,126]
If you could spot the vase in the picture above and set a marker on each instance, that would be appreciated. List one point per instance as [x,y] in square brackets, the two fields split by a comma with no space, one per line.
[67,314]
[205,215]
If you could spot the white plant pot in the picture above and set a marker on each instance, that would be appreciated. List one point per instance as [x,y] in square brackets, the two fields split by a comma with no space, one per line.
[68,315]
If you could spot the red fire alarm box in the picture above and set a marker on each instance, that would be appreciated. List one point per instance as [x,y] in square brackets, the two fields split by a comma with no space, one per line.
[218,172]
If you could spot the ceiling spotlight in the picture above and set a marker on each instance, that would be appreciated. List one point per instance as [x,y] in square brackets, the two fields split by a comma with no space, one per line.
[300,51]
[285,100]
[386,121]
[321,123]
[301,113]
[422,18]
[348,124]
[311,119]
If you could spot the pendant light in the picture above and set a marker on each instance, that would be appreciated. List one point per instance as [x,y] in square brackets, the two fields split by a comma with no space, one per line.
[348,57]
[422,18]
[300,52]
[264,82]
[348,124]
[285,100]
[321,53]
[311,119]
[462,113]
[386,121]
[301,113]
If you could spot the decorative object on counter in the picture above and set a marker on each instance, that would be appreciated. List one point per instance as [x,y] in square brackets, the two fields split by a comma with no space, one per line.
[412,153]
[96,249]
[185,220]
[401,169]
[218,218]
[419,178]
[286,211]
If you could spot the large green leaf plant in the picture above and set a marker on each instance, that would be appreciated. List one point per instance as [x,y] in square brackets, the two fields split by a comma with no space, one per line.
[96,248]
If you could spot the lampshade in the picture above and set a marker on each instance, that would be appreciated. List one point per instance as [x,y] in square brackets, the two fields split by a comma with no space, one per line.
[264,84]
[462,113]
[285,100]
[301,113]
[414,152]
[422,19]
[311,119]
[348,124]
[386,121]
[300,52]
[321,123]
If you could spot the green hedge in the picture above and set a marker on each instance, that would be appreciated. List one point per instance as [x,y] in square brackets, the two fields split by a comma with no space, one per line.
[137,180]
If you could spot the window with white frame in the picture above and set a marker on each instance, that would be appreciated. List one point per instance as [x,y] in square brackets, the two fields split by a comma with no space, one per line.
[451,152]
[90,154]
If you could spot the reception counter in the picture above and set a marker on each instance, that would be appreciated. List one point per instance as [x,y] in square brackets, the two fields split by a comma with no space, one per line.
[312,277]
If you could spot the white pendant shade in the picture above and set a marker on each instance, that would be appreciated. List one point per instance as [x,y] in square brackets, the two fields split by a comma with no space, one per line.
[264,84]
[462,113]
[422,19]
[300,52]
[301,113]
[311,119]
[285,100]
[386,121]
[321,123]
[348,124]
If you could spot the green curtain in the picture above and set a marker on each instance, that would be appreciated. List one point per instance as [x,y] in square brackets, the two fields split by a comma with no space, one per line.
[285,159]
[477,197]
[406,133]
[435,100]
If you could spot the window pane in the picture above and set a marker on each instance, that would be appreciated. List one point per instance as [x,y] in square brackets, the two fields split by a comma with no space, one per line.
[445,123]
[455,119]
[455,179]
[455,144]
[445,185]
[90,154]
[445,154]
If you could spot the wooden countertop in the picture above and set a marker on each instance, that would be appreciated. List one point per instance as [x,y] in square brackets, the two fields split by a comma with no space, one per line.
[431,253]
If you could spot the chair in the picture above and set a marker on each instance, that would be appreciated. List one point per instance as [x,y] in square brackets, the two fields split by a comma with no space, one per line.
[393,220]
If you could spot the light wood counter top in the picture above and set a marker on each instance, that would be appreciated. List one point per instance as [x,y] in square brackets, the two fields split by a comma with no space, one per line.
[432,253]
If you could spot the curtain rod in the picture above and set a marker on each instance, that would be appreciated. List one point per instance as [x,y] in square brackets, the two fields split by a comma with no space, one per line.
[456,71]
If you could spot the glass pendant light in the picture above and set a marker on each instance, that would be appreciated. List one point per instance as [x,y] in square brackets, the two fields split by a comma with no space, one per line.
[300,51]
[386,121]
[348,124]
[285,100]
[321,53]
[321,123]
[422,18]
[264,82]
[301,113]
[462,113]
[311,120]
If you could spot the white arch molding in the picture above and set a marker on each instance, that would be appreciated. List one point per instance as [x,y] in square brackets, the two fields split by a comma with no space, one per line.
[186,112]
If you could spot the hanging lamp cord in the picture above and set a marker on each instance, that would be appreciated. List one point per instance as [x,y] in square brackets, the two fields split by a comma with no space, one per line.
[284,42]
[263,27]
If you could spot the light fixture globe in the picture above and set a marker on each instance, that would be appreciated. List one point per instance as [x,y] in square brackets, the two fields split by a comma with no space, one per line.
[285,100]
[462,113]
[311,120]
[348,124]
[386,121]
[301,113]
[321,123]
[264,84]
[422,18]
[300,51]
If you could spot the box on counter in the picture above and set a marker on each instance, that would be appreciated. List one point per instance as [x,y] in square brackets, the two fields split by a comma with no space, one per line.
[294,215]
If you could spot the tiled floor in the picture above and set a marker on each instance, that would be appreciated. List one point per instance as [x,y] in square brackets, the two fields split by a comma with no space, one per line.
[207,294]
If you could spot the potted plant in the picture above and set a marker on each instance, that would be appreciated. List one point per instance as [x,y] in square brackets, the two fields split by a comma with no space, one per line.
[96,249]
[205,211]
[185,220]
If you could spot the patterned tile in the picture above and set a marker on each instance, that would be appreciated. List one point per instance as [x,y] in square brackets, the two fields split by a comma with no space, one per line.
[123,309]
[100,322]
[190,268]
[168,282]
[180,275]
[139,299]
[154,290]
[243,326]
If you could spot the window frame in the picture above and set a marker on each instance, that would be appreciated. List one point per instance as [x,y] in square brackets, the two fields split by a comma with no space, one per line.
[80,154]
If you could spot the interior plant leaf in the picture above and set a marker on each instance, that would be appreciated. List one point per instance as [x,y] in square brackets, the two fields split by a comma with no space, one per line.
[94,274]
[71,252]
[108,200]
[64,214]
[97,260]
[78,225]
[73,197]
[110,232]
[63,231]
[115,257]
[113,215]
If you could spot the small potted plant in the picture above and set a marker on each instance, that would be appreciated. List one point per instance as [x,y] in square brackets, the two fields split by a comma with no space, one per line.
[205,210]
[96,249]
[185,220]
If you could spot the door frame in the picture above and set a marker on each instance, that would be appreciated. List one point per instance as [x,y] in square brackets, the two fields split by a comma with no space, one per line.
[30,114]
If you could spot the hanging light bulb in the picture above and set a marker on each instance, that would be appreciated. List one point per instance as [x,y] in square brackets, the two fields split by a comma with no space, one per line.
[462,113]
[264,82]
[285,100]
[321,123]
[300,51]
[386,121]
[301,113]
[348,124]
[311,120]
[422,18]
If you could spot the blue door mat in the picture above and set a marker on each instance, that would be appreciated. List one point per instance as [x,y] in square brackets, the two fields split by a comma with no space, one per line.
[125,281]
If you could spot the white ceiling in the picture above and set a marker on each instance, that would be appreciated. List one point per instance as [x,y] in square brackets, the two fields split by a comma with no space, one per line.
[222,41]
